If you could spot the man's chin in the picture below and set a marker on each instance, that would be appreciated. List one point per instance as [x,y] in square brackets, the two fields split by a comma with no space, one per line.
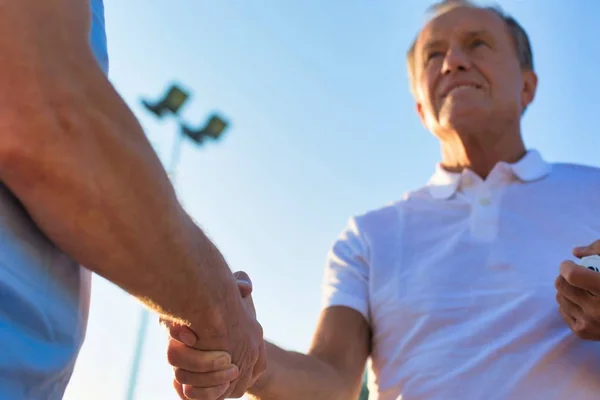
[461,117]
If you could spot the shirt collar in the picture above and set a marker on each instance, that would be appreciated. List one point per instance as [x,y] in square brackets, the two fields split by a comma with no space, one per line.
[444,184]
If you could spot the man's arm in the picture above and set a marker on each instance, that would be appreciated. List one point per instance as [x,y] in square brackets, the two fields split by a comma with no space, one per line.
[76,157]
[332,369]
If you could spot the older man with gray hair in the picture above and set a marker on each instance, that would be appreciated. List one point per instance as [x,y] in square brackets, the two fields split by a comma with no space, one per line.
[452,291]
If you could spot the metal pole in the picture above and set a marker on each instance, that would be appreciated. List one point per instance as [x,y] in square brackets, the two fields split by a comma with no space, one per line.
[145,315]
[135,368]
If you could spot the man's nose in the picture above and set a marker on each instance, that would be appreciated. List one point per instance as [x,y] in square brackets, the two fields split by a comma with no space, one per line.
[456,60]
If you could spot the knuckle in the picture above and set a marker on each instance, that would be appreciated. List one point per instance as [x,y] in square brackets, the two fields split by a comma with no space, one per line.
[195,393]
[198,393]
[569,275]
[172,328]
[565,263]
[581,328]
[215,361]
[212,379]
[577,330]
[224,354]
[174,356]
[223,377]
[195,360]
[182,376]
[585,326]
[202,379]
[594,313]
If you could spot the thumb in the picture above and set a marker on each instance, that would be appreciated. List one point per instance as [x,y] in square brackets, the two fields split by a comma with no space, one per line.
[589,250]
[244,283]
[248,300]
[245,286]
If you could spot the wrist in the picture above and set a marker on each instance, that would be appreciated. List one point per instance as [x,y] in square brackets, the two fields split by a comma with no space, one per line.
[263,383]
[221,313]
[260,387]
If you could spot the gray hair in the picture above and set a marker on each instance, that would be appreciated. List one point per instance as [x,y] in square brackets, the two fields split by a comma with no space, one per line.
[519,36]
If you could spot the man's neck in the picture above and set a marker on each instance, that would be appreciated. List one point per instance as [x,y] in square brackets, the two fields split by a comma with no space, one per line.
[467,151]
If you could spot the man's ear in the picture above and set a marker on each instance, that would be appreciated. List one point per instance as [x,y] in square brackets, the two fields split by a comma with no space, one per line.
[530,81]
[419,107]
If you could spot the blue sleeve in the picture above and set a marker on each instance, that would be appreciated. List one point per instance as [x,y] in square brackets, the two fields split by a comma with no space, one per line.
[98,34]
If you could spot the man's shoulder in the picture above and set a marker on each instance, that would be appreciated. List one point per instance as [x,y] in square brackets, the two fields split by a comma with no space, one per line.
[389,215]
[576,168]
[575,172]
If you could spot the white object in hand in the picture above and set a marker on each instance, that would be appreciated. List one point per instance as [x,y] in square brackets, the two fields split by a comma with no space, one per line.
[591,262]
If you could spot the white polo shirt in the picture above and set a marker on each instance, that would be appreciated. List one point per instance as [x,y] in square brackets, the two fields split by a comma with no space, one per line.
[457,283]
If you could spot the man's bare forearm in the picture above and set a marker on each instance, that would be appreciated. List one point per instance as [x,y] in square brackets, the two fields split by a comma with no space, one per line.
[73,153]
[297,376]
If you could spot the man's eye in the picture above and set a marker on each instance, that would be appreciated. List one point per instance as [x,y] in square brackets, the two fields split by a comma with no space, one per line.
[478,42]
[433,55]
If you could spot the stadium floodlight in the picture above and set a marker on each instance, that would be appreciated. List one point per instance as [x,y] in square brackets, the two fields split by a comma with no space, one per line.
[172,101]
[213,129]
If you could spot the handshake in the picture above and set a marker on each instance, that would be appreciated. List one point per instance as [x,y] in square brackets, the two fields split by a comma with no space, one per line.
[202,374]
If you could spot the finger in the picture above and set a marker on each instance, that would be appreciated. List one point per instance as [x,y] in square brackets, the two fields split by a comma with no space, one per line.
[581,327]
[570,308]
[212,393]
[244,283]
[179,389]
[569,320]
[574,294]
[580,277]
[246,287]
[589,250]
[206,379]
[181,356]
[180,332]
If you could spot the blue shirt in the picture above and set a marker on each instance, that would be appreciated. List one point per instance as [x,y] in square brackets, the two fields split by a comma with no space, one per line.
[44,295]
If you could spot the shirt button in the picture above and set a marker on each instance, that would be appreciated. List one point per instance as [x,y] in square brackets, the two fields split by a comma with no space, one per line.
[484,201]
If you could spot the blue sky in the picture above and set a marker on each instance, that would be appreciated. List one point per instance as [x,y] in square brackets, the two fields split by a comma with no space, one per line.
[323,127]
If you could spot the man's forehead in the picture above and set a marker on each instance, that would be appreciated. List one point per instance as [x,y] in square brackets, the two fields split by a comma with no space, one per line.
[459,21]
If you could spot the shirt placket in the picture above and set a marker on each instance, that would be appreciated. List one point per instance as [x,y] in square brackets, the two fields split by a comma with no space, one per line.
[484,197]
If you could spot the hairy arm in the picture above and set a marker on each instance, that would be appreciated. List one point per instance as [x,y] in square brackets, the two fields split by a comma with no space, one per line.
[76,157]
[332,369]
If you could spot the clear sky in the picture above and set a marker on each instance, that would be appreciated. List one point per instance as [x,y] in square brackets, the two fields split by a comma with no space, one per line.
[323,127]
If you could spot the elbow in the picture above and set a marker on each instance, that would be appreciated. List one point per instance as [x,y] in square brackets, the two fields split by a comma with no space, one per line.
[32,138]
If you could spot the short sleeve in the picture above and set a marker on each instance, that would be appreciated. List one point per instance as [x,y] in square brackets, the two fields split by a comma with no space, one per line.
[346,281]
[98,34]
